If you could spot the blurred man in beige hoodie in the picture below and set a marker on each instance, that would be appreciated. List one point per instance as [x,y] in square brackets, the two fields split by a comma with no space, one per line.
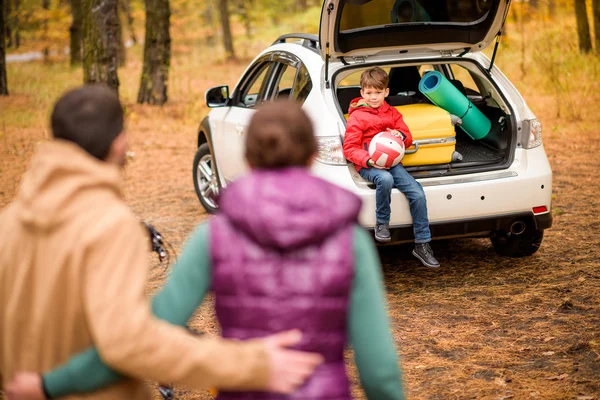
[73,268]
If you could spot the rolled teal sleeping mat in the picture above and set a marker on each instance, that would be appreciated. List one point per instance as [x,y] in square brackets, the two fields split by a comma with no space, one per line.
[445,95]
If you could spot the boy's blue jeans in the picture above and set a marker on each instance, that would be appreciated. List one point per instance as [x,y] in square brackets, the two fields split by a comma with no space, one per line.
[397,176]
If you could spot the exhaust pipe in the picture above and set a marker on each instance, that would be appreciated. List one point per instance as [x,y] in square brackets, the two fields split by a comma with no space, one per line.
[518,227]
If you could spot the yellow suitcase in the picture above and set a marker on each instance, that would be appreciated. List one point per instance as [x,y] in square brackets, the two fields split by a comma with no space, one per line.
[434,137]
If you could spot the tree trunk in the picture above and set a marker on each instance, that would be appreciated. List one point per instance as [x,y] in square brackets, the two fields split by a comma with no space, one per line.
[552,8]
[227,37]
[207,16]
[157,53]
[533,4]
[126,9]
[100,24]
[596,14]
[274,13]
[245,7]
[75,31]
[15,24]
[121,54]
[46,7]
[583,27]
[6,22]
[302,5]
[3,82]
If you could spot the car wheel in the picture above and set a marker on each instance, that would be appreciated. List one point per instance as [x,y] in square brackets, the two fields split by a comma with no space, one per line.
[206,182]
[523,245]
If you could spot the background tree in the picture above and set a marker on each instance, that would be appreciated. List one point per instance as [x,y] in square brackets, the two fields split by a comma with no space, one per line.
[244,8]
[14,25]
[3,81]
[46,8]
[208,21]
[6,23]
[583,27]
[157,53]
[100,46]
[121,52]
[596,14]
[75,32]
[227,37]
[126,10]
[552,8]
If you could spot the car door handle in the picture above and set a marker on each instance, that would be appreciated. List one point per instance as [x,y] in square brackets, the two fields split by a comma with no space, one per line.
[239,129]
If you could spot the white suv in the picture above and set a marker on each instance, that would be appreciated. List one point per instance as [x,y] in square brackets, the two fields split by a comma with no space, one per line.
[498,187]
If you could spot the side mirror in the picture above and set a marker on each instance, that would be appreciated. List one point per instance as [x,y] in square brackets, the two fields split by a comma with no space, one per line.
[217,96]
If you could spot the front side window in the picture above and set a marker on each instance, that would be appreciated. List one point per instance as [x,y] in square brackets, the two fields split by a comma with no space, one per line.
[254,90]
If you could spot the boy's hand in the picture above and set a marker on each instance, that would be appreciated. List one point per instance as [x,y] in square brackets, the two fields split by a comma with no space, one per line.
[372,164]
[396,133]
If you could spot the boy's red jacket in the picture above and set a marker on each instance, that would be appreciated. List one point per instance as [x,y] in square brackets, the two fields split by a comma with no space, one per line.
[364,123]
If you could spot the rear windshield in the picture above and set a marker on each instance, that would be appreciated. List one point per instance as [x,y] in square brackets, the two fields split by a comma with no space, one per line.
[360,14]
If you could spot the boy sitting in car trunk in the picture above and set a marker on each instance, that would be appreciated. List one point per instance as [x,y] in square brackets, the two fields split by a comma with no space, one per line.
[369,115]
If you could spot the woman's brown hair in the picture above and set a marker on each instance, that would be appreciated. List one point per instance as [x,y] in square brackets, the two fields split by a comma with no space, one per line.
[280,135]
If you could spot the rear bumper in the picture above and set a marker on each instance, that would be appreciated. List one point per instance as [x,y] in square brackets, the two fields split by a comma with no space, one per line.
[472,227]
[485,196]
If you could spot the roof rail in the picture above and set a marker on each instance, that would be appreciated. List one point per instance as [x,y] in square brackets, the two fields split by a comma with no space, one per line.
[310,41]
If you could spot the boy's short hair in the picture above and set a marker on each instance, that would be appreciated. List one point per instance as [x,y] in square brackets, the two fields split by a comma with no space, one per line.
[90,116]
[280,135]
[375,78]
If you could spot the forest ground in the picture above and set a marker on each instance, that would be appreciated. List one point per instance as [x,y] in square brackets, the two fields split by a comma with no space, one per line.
[482,326]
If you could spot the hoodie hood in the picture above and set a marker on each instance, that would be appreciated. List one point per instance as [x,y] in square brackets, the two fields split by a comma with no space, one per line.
[63,179]
[287,208]
[359,104]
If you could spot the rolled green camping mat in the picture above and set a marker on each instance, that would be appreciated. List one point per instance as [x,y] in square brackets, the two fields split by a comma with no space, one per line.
[445,95]
[409,11]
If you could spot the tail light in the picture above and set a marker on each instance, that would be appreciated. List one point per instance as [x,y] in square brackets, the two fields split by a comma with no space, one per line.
[329,150]
[534,138]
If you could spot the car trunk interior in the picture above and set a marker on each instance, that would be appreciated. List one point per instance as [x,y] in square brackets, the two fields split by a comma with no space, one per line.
[491,152]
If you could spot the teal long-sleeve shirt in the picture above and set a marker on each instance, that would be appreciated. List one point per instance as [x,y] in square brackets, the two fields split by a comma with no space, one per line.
[188,283]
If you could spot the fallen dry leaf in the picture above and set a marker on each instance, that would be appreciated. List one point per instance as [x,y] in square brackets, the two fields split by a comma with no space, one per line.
[558,377]
[500,381]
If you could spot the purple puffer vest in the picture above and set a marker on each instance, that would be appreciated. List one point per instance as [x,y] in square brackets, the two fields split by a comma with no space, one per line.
[282,258]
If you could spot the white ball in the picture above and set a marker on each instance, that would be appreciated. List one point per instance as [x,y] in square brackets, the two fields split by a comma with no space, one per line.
[386,149]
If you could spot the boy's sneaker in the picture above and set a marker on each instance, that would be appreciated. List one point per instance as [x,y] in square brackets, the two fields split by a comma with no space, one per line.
[424,253]
[382,233]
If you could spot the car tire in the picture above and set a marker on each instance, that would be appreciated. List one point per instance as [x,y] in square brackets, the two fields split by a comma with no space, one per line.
[206,181]
[523,245]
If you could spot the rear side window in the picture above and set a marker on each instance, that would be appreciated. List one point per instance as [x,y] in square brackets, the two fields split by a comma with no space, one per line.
[293,83]
[466,78]
[302,85]
[286,82]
